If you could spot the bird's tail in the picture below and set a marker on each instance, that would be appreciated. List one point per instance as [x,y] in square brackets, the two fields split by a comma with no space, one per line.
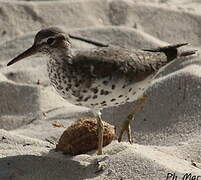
[171,51]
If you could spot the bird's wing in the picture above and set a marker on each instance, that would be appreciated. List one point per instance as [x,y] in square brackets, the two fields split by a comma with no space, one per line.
[102,62]
[131,63]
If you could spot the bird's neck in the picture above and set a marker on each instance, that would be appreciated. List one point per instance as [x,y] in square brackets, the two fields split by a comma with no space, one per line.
[58,62]
[61,55]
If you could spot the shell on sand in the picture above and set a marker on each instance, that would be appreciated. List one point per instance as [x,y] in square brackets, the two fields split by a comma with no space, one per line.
[82,136]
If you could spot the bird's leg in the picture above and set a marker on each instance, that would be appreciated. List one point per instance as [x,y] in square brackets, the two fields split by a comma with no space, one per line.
[100,134]
[126,124]
[126,127]
[100,128]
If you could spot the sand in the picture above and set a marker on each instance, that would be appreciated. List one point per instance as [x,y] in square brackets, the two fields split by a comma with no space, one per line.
[166,132]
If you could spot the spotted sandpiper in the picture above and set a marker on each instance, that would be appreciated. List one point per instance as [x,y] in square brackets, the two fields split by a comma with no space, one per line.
[100,77]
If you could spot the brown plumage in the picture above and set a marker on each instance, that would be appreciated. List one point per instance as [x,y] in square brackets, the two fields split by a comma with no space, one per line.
[111,61]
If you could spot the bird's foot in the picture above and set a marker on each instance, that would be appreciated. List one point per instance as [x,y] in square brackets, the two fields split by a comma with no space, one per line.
[99,152]
[126,127]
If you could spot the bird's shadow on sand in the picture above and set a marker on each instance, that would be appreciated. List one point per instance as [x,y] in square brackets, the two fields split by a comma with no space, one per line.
[50,166]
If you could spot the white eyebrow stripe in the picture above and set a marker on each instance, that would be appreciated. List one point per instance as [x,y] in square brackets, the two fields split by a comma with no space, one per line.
[45,39]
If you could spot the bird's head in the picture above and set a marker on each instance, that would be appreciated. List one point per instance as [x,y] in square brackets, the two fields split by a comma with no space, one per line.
[47,41]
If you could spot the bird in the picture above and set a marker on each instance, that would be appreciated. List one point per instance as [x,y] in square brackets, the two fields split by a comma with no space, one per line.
[100,77]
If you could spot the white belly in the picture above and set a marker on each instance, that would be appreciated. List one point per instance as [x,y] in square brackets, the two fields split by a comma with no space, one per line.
[108,95]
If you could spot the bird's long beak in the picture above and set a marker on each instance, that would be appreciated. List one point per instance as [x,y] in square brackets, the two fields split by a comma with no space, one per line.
[31,51]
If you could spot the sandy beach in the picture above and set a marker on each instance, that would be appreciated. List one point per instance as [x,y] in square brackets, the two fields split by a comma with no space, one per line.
[167,132]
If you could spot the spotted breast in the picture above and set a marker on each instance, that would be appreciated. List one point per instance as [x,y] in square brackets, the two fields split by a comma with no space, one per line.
[96,85]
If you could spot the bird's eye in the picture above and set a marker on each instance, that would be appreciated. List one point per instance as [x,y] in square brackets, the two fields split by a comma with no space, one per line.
[51,41]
